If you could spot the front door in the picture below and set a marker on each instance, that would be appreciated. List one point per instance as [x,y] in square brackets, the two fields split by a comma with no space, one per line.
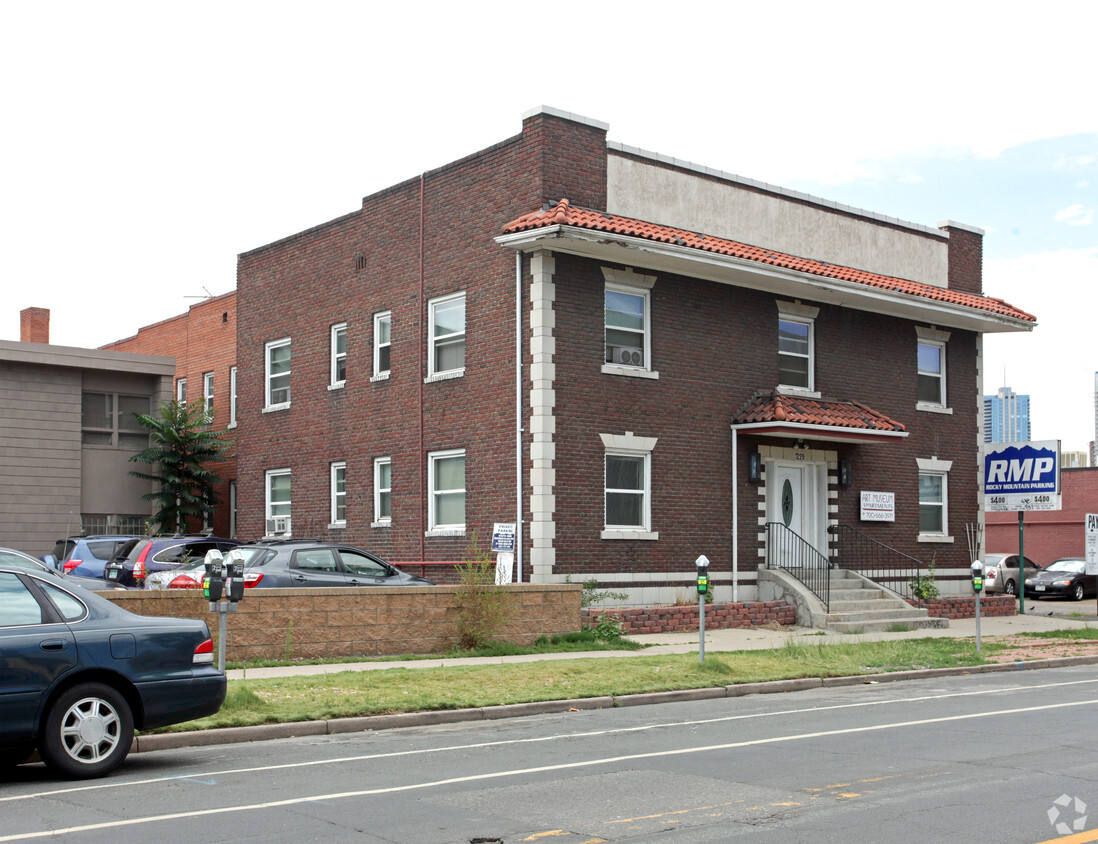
[793,499]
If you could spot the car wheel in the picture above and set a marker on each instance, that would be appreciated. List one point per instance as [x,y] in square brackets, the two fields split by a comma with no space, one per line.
[1010,588]
[89,730]
[1077,593]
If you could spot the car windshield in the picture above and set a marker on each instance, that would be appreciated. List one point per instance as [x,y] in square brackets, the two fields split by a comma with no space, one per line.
[1073,566]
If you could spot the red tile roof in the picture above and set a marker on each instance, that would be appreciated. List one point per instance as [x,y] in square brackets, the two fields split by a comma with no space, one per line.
[776,407]
[563,214]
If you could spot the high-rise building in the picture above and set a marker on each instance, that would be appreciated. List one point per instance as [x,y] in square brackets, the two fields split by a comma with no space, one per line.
[1094,442]
[1006,417]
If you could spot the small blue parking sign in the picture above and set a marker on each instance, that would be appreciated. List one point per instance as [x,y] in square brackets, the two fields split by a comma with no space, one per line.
[503,538]
[1022,476]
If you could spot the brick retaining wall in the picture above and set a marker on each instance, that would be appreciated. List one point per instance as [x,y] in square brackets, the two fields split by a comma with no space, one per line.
[684,618]
[379,621]
[965,607]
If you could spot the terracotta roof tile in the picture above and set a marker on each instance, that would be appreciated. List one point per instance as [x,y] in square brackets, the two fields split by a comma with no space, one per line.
[776,407]
[563,214]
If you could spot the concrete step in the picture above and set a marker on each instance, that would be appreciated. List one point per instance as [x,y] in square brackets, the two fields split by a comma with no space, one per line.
[857,595]
[876,603]
[885,626]
[896,614]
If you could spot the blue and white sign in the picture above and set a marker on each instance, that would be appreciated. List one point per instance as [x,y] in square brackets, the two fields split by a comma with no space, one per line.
[1022,476]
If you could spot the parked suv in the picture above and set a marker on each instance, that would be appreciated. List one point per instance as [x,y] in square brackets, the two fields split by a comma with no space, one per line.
[85,556]
[139,558]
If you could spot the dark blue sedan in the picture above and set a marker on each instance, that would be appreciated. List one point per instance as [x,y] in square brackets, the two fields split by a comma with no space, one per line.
[78,674]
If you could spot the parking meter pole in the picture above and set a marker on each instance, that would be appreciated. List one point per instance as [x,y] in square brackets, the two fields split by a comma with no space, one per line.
[977,622]
[1021,562]
[221,637]
[701,628]
[703,593]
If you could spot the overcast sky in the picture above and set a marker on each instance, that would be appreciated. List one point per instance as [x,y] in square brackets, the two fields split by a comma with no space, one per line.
[147,144]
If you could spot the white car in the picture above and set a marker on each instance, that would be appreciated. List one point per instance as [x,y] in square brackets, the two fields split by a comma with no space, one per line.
[1001,573]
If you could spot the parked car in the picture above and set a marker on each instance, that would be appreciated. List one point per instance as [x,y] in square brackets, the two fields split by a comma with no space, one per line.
[17,559]
[78,674]
[85,556]
[1001,572]
[190,576]
[1063,578]
[137,559]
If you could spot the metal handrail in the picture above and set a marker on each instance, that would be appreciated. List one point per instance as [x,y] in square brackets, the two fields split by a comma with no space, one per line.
[787,550]
[880,563]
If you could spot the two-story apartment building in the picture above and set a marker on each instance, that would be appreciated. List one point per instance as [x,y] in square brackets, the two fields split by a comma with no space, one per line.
[647,359]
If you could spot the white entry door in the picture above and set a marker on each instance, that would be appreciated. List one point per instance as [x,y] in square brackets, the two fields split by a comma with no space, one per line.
[793,499]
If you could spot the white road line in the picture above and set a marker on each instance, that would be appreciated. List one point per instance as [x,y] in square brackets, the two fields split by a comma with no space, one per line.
[610,760]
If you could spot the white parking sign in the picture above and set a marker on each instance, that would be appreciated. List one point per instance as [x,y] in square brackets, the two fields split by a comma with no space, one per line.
[1092,543]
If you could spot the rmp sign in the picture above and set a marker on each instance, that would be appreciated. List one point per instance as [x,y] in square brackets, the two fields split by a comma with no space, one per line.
[1022,476]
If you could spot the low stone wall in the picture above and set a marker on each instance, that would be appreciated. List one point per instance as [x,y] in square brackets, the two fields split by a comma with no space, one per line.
[965,607]
[374,621]
[638,620]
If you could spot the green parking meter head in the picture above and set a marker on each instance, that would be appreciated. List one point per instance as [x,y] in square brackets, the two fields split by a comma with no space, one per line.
[703,574]
[977,576]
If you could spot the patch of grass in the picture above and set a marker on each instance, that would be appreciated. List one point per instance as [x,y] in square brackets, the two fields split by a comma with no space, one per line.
[1087,632]
[900,628]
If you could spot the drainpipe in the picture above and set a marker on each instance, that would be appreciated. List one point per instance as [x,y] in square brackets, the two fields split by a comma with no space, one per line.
[422,369]
[735,521]
[518,417]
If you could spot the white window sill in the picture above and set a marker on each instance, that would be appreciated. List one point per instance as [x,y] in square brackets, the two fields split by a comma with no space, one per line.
[273,408]
[445,376]
[613,369]
[933,408]
[454,531]
[629,534]
[337,526]
[383,523]
[231,425]
[337,386]
[786,390]
[935,537]
[381,376]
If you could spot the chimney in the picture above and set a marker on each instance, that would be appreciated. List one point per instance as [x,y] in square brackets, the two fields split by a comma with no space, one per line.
[34,325]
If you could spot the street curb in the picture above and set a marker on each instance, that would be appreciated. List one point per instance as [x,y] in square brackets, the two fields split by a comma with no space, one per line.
[368,723]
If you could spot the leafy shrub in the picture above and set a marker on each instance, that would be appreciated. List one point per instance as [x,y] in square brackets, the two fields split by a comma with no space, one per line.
[483,607]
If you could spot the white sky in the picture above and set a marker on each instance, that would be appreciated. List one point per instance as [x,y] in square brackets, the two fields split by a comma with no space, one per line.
[146,144]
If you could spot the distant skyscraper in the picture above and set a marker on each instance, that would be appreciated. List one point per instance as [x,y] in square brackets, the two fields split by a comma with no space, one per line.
[1094,442]
[1006,417]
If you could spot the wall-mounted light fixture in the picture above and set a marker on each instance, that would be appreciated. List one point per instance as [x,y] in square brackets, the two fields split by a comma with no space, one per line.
[844,472]
[754,467]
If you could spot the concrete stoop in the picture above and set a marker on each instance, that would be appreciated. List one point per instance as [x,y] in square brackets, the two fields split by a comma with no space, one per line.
[857,604]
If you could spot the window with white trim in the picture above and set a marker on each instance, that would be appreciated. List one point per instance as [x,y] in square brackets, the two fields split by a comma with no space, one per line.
[277,368]
[383,341]
[208,394]
[232,397]
[446,499]
[383,491]
[339,494]
[796,346]
[339,355]
[627,323]
[934,499]
[278,493]
[627,487]
[931,368]
[446,333]
[181,390]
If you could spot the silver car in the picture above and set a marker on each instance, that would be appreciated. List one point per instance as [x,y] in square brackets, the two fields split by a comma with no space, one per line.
[1001,573]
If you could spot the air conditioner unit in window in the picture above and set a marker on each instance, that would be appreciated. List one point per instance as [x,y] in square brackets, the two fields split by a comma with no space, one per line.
[628,356]
[278,526]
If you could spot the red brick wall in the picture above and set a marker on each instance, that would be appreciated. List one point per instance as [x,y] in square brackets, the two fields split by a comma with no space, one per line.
[201,340]
[34,325]
[684,618]
[990,605]
[1051,534]
[966,257]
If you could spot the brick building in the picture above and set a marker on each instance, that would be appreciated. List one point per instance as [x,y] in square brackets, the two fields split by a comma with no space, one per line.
[203,343]
[1049,534]
[701,355]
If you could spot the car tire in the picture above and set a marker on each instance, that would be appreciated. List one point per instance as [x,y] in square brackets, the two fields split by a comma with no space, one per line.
[89,731]
[1010,588]
[1077,592]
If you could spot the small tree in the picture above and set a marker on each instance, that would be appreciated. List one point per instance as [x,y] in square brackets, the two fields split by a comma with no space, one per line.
[181,450]
[483,607]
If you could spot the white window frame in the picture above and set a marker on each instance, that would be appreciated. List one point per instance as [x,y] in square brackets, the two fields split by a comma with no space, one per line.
[380,318]
[631,284]
[267,391]
[208,394]
[630,445]
[337,383]
[433,342]
[936,468]
[268,503]
[802,314]
[181,390]
[433,527]
[381,490]
[232,396]
[932,337]
[338,498]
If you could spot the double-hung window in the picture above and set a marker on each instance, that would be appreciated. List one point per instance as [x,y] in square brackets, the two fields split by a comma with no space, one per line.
[339,355]
[796,346]
[934,499]
[383,341]
[278,493]
[446,358]
[446,470]
[232,397]
[278,374]
[208,394]
[932,368]
[627,486]
[383,491]
[181,390]
[339,494]
[627,323]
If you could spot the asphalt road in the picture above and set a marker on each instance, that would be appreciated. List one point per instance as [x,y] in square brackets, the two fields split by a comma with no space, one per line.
[980,757]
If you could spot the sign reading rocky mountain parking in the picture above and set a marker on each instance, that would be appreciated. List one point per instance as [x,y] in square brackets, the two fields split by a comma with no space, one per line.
[1022,476]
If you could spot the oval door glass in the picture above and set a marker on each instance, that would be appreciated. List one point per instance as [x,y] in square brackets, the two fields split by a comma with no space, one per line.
[787,502]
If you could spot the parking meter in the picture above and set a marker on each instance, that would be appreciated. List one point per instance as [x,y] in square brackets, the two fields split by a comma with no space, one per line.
[977,576]
[234,576]
[703,574]
[213,584]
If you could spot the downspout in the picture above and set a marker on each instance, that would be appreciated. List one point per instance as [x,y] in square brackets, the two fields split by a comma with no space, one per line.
[735,521]
[518,417]
[424,485]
